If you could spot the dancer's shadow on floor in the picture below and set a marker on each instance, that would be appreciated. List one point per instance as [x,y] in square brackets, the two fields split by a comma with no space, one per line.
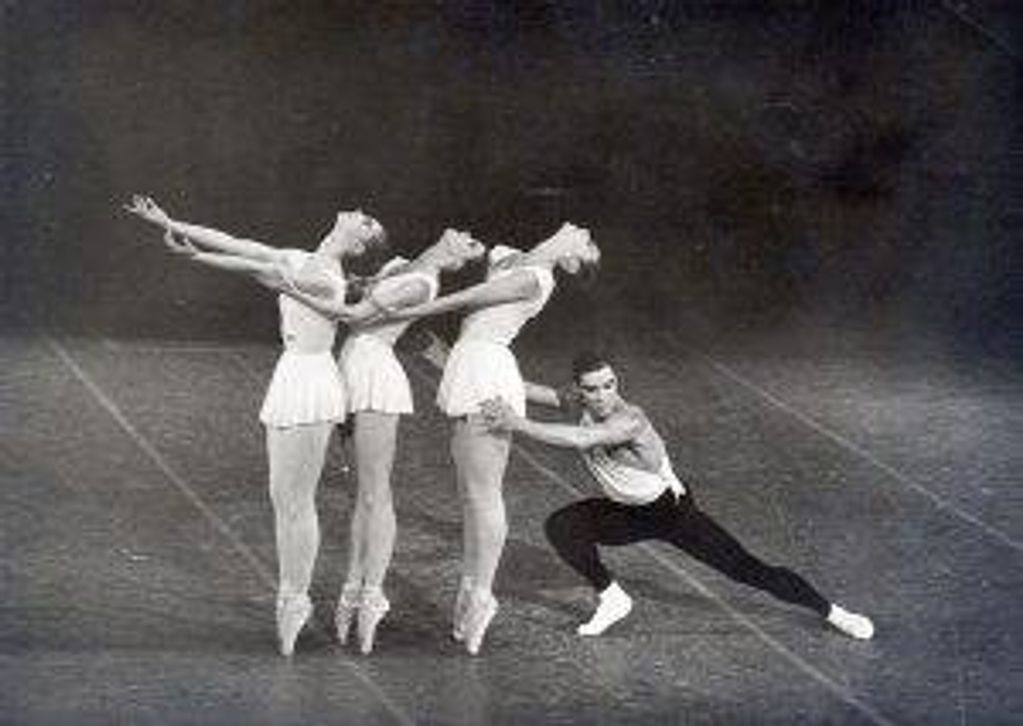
[534,576]
[528,572]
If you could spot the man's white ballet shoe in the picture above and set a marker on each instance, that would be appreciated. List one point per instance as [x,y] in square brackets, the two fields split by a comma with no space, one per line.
[372,609]
[293,612]
[614,605]
[852,624]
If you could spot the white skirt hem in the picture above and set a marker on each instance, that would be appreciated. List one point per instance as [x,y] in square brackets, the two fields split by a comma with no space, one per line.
[306,388]
[478,370]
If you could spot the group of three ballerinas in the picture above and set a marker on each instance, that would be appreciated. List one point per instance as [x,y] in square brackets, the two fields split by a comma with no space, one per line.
[310,393]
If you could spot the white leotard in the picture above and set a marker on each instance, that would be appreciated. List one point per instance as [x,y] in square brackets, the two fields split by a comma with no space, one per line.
[481,365]
[501,323]
[302,328]
[374,377]
[306,387]
[389,332]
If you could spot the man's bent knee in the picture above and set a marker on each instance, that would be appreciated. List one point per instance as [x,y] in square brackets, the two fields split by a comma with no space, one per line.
[561,526]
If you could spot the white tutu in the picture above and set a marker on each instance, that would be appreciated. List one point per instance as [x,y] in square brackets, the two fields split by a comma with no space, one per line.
[477,370]
[306,388]
[373,376]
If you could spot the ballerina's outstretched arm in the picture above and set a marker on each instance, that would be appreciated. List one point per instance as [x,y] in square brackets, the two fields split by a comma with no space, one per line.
[271,274]
[207,237]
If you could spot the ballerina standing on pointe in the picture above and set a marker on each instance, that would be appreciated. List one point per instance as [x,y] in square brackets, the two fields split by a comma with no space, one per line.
[306,396]
[378,393]
[482,366]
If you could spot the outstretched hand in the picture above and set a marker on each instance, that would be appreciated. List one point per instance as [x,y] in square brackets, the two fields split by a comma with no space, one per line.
[498,415]
[147,209]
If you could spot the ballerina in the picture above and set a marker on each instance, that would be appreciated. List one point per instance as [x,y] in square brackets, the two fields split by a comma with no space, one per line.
[306,397]
[481,367]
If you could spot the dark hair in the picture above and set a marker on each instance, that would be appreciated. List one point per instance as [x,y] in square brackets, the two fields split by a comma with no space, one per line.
[584,280]
[356,288]
[361,285]
[377,249]
[587,362]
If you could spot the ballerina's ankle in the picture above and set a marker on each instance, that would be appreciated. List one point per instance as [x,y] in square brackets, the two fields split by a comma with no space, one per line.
[347,605]
[372,609]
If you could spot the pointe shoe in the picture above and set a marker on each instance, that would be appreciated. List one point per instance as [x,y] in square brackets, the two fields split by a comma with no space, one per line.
[461,609]
[852,624]
[344,613]
[480,611]
[614,605]
[293,613]
[372,609]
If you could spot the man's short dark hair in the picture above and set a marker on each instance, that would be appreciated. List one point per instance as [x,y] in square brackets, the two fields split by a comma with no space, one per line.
[587,362]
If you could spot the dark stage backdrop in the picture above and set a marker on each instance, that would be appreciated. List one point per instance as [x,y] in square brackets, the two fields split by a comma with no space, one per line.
[739,162]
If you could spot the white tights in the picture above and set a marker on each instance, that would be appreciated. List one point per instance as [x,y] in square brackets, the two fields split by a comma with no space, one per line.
[296,455]
[480,461]
[373,526]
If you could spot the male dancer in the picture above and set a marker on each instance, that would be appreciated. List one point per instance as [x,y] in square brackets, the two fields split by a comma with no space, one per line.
[644,499]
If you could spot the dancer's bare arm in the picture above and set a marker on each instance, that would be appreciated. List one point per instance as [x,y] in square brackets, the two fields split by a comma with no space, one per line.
[619,428]
[273,275]
[392,299]
[262,271]
[544,395]
[519,285]
[375,306]
[212,239]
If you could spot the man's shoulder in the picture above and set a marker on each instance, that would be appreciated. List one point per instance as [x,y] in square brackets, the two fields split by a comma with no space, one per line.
[631,410]
[631,416]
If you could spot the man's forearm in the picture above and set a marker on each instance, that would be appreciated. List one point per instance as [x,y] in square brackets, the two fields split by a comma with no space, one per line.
[556,434]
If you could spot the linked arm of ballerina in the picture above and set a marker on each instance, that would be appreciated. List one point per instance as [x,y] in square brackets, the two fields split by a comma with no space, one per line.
[512,287]
[409,301]
[376,305]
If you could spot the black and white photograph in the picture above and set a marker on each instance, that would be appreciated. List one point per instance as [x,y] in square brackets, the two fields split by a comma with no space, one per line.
[456,362]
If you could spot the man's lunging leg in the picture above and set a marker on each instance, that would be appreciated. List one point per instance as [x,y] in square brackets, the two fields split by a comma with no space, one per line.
[696,533]
[575,531]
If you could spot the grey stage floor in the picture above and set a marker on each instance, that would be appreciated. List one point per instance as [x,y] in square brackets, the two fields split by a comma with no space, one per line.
[137,578]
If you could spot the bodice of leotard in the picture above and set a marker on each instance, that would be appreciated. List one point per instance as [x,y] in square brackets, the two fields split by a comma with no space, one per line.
[501,323]
[302,328]
[389,332]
